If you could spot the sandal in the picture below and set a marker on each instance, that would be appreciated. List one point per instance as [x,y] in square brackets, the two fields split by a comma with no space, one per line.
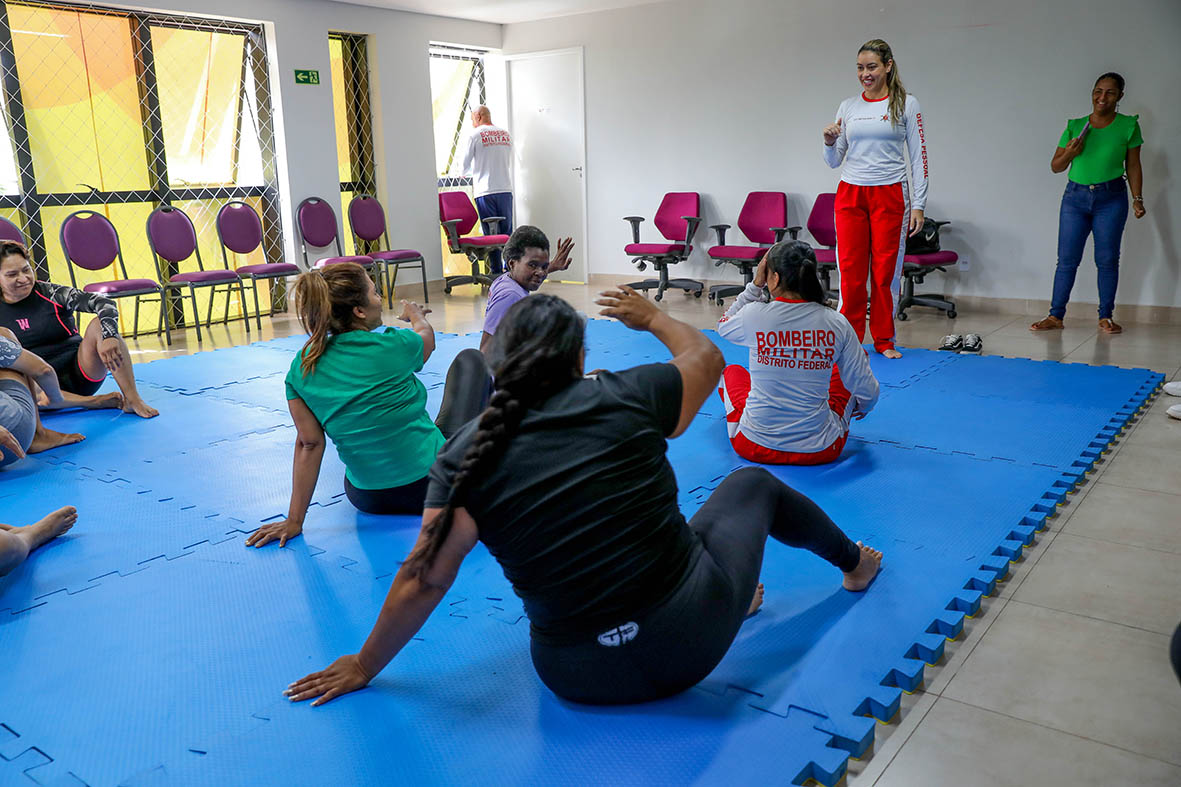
[1110,326]
[1049,323]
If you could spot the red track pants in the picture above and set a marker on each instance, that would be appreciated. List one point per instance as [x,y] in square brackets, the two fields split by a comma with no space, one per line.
[871,240]
[734,391]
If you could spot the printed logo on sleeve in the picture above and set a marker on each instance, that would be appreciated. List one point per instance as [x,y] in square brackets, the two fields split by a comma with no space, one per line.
[811,349]
[620,635]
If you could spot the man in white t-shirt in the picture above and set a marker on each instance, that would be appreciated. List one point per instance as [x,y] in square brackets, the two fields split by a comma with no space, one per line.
[489,163]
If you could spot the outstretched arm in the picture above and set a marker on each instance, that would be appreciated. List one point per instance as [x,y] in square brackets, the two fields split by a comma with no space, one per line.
[410,602]
[305,471]
[18,359]
[76,300]
[416,316]
[698,359]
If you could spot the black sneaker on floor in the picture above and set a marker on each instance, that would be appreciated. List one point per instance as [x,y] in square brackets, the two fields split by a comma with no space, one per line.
[972,344]
[953,342]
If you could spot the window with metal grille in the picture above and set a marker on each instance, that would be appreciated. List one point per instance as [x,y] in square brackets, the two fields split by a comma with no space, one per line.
[349,63]
[457,88]
[119,112]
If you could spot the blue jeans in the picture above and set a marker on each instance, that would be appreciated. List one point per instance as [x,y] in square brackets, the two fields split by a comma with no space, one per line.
[1101,210]
[498,204]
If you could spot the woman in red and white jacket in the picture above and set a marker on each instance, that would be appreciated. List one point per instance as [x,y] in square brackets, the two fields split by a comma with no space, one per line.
[808,372]
[872,203]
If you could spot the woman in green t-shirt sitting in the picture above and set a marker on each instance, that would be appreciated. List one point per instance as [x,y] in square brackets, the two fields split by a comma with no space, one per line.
[1098,149]
[358,385]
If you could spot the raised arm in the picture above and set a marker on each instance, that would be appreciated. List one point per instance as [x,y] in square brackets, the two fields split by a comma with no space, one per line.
[416,316]
[836,141]
[753,293]
[407,606]
[305,471]
[698,359]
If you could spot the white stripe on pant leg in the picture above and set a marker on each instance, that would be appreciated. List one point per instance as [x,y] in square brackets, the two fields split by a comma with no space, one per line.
[896,281]
[731,426]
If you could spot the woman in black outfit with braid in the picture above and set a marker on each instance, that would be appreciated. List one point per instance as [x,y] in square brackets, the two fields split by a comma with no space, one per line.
[565,480]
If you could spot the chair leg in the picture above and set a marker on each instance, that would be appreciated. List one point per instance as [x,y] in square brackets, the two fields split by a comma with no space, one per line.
[225,315]
[426,298]
[196,311]
[257,310]
[164,318]
[135,319]
[242,300]
[393,280]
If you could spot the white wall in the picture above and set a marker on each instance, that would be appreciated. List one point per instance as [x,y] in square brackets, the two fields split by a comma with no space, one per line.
[729,97]
[400,84]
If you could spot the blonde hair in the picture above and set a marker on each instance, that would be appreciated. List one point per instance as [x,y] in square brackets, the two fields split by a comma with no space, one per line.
[893,81]
[324,300]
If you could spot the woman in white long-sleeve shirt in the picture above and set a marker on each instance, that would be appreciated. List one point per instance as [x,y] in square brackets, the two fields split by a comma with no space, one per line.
[869,136]
[808,372]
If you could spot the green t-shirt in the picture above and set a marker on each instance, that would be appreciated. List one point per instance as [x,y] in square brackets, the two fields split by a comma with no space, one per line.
[364,393]
[1104,150]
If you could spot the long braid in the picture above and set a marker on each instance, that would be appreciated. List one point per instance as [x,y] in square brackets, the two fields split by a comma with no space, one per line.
[537,353]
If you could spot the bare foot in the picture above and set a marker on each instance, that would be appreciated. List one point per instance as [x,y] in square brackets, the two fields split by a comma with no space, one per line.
[107,401]
[139,407]
[867,568]
[50,527]
[891,353]
[757,601]
[45,439]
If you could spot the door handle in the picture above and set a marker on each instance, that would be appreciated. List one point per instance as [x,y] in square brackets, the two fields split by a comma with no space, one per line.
[576,169]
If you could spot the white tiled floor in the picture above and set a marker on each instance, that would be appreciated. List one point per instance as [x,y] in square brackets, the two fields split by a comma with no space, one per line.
[1063,678]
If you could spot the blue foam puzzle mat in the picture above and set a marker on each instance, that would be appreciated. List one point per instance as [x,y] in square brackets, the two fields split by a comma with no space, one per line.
[190,636]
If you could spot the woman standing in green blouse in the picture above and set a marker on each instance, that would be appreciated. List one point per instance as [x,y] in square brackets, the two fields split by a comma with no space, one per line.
[1097,149]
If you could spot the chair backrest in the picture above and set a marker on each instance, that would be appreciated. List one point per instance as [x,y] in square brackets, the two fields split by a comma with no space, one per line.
[457,205]
[238,228]
[762,212]
[674,205]
[316,221]
[90,241]
[172,237]
[9,231]
[822,221]
[367,218]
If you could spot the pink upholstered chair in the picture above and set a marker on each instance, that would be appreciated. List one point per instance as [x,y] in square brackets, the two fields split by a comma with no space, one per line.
[89,241]
[367,218]
[174,241]
[676,219]
[315,222]
[915,268]
[822,225]
[240,230]
[458,216]
[763,220]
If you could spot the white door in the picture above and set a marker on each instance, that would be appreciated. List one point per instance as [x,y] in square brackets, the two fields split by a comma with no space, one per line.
[549,146]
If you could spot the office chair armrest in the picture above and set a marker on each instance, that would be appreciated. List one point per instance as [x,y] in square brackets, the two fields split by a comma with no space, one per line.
[492,224]
[635,222]
[690,229]
[452,228]
[781,231]
[721,230]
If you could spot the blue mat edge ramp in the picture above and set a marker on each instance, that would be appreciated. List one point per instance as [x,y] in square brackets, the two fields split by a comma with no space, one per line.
[908,669]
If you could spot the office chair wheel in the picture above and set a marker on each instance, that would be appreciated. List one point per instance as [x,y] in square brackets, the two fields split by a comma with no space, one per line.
[721,302]
[659,296]
[951,314]
[446,290]
[696,294]
[902,316]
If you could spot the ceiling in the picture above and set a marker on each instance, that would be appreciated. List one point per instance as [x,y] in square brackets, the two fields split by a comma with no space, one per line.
[502,11]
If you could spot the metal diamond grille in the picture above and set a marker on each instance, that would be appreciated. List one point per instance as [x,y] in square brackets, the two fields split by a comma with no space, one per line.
[349,63]
[119,112]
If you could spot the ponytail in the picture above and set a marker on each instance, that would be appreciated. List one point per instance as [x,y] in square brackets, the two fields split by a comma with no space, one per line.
[324,300]
[897,92]
[795,263]
[537,351]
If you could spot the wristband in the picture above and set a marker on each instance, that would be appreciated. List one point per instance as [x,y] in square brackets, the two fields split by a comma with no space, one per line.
[1137,199]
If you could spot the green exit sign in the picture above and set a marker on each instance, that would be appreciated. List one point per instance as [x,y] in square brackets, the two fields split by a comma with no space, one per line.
[304,76]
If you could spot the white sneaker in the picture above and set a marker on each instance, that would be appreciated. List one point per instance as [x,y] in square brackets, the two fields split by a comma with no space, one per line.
[1174,412]
[1173,388]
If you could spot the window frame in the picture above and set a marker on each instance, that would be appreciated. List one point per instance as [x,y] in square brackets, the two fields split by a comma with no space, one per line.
[478,78]
[30,200]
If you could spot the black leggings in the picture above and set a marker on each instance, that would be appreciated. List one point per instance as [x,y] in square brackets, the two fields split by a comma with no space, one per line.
[675,645]
[465,395]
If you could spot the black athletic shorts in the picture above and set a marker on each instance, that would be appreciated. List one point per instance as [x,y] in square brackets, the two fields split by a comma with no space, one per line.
[69,374]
